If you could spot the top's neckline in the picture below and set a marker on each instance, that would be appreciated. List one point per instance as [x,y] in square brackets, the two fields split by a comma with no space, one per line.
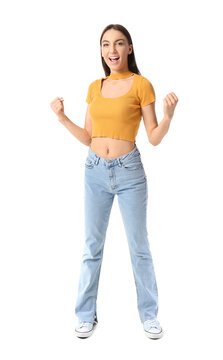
[121,75]
[117,97]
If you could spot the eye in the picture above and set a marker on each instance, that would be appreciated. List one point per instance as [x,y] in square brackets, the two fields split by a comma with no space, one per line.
[120,43]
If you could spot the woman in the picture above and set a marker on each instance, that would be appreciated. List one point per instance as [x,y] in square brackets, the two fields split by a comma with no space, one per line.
[113,166]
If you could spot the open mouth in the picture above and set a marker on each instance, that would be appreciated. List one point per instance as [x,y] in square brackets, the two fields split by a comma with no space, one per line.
[114,59]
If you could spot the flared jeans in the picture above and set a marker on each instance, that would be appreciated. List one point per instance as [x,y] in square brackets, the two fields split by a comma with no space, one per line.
[104,178]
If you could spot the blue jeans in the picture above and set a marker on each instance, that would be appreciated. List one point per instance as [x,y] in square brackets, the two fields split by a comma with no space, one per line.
[104,178]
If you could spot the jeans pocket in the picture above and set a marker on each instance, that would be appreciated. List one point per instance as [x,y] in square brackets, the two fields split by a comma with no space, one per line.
[133,164]
[89,163]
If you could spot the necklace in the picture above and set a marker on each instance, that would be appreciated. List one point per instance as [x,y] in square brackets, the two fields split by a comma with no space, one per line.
[122,75]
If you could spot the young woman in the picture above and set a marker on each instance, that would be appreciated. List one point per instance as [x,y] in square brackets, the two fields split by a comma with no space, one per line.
[113,167]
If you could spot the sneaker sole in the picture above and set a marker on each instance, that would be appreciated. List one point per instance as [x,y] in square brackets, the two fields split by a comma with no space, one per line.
[85,334]
[154,336]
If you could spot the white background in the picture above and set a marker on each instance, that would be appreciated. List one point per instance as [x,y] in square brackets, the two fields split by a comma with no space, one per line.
[50,49]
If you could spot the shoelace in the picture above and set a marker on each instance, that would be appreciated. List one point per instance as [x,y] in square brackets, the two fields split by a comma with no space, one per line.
[153,323]
[82,324]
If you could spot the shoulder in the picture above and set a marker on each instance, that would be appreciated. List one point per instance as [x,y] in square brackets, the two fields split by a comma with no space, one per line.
[91,91]
[93,83]
[142,80]
[92,86]
[145,90]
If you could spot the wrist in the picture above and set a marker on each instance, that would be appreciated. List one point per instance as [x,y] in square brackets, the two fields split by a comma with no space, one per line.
[167,118]
[61,117]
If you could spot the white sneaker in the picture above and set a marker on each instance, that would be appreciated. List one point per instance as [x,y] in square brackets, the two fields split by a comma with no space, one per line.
[85,329]
[153,329]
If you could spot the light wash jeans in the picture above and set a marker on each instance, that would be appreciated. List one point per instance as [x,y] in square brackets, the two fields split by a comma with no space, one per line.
[104,178]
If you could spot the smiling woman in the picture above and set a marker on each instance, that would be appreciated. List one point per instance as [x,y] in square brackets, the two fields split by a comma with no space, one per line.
[113,167]
[124,83]
[120,42]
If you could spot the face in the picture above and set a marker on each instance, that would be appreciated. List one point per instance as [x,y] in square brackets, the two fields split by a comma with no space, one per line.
[115,44]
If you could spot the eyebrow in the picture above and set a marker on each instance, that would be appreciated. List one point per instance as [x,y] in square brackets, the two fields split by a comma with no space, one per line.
[115,40]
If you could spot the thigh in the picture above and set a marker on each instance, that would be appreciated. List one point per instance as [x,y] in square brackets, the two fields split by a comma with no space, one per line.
[98,200]
[133,203]
[133,196]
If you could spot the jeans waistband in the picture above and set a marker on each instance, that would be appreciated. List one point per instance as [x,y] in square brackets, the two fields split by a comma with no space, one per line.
[114,161]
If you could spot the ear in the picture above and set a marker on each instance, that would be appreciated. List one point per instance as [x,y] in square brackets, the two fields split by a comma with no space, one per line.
[131,48]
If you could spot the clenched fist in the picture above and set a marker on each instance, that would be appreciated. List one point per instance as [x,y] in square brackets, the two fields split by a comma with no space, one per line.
[57,106]
[169,104]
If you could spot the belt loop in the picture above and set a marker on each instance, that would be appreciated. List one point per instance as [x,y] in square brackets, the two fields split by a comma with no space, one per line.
[119,162]
[96,160]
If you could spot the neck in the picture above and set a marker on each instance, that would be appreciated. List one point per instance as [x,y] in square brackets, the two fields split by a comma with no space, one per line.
[120,75]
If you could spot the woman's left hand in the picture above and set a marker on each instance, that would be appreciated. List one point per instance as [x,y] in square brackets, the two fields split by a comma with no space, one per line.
[170,102]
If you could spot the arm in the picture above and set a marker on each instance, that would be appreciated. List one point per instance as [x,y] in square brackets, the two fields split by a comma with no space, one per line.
[160,131]
[154,131]
[82,134]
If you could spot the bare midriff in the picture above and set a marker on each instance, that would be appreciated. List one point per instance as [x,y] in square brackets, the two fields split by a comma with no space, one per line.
[107,147]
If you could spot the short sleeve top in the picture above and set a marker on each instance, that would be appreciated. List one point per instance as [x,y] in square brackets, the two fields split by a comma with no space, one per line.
[119,117]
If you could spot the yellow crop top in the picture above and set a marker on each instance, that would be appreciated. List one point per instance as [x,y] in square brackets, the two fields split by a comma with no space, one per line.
[119,117]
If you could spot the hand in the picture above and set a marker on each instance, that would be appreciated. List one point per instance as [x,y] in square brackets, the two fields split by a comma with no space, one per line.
[170,102]
[57,106]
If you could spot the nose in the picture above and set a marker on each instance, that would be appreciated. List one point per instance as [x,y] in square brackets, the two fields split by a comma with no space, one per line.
[113,48]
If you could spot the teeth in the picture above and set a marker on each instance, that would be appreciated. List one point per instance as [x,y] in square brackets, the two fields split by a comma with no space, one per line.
[114,58]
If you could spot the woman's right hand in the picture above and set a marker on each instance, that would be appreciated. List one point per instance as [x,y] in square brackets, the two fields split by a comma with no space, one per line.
[57,106]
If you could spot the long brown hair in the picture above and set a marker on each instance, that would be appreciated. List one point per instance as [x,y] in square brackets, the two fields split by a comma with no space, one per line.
[131,57]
